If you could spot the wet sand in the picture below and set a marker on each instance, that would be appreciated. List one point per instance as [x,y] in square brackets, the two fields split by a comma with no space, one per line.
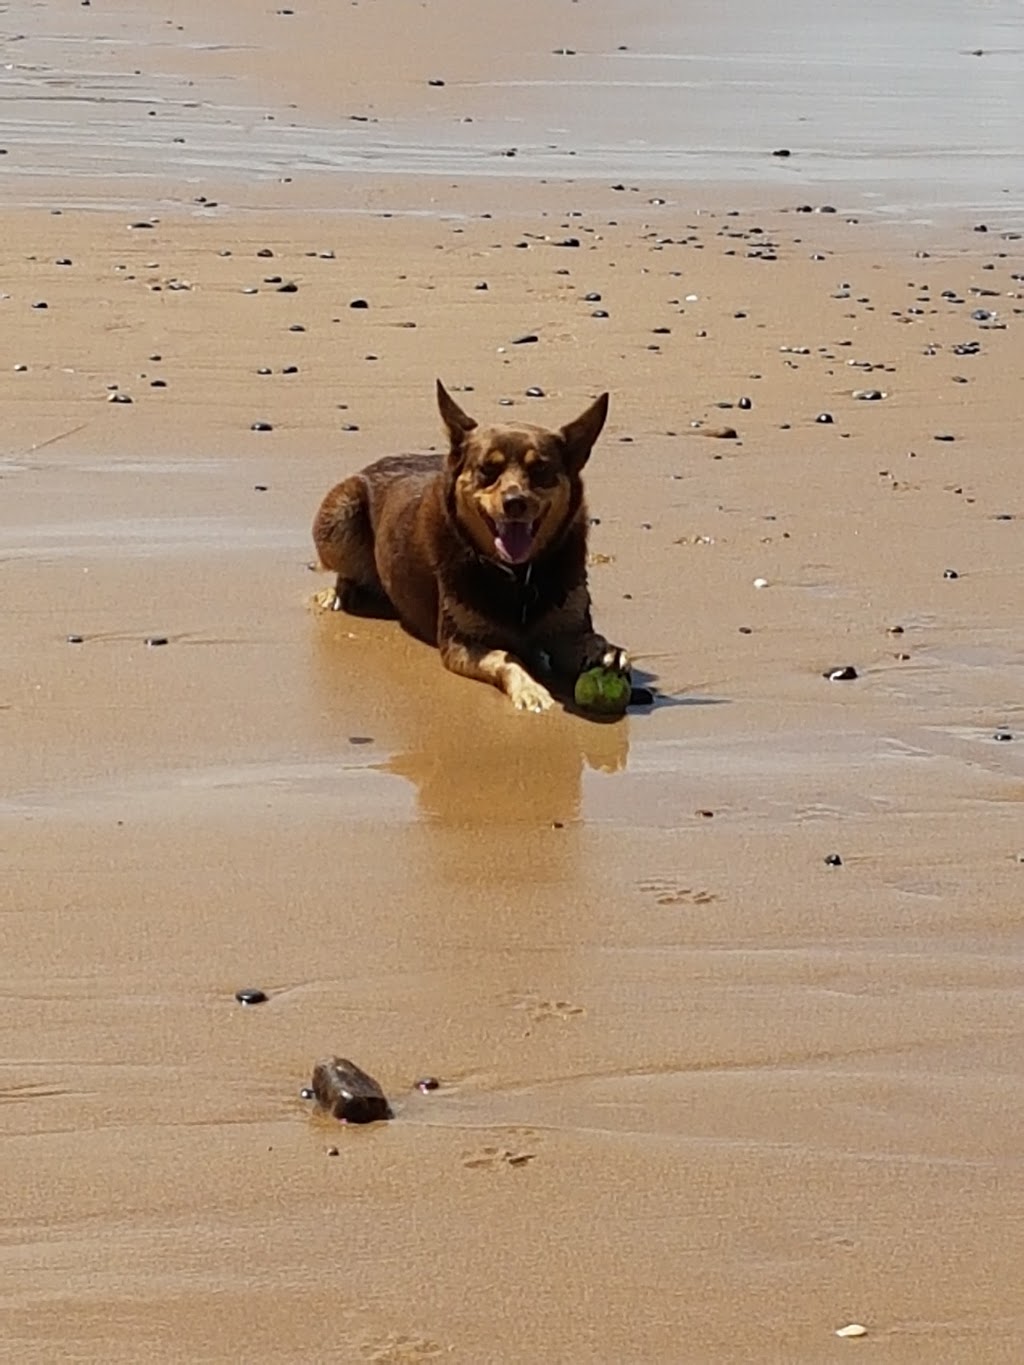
[705,1097]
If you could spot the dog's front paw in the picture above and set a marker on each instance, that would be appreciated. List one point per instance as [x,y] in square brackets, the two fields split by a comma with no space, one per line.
[526,694]
[327,600]
[608,656]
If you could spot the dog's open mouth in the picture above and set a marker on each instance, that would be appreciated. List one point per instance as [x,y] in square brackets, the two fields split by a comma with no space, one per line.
[514,540]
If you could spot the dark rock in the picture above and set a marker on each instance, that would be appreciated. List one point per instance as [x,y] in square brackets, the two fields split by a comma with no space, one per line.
[525,340]
[844,673]
[155,641]
[251,997]
[591,298]
[833,860]
[428,1083]
[825,418]
[745,403]
[1003,736]
[782,151]
[359,303]
[950,573]
[261,426]
[75,639]
[346,1092]
[534,392]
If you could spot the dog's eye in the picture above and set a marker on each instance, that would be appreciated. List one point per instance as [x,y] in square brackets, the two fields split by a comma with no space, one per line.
[489,473]
[543,475]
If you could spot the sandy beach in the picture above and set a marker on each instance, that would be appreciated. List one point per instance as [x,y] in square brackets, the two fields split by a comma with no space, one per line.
[725,999]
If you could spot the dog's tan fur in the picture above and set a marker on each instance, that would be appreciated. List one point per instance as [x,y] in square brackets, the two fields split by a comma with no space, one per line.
[481,552]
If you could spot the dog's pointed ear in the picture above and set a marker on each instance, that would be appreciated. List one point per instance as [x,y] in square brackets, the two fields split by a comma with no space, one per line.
[579,435]
[458,423]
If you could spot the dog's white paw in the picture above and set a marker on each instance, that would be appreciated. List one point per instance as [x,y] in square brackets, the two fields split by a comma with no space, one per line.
[528,695]
[327,600]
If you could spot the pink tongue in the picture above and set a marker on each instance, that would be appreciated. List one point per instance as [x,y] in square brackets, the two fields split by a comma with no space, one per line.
[514,540]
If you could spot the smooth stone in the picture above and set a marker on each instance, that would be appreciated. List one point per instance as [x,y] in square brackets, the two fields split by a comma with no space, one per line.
[845,673]
[346,1092]
[251,997]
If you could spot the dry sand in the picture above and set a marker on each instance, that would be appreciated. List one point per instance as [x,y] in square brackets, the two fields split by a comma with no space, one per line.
[705,1097]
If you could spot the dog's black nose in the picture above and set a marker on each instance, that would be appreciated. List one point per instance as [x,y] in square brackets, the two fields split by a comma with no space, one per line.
[513,504]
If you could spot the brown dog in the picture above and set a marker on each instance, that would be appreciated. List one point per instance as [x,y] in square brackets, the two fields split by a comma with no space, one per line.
[482,552]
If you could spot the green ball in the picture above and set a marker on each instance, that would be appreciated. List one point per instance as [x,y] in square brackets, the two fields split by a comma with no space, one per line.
[604,690]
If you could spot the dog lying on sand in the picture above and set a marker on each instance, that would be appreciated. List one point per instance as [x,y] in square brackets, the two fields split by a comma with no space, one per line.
[481,552]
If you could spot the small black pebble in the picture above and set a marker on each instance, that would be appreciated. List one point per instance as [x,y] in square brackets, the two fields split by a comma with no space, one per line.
[746,630]
[482,285]
[824,417]
[155,641]
[265,252]
[296,327]
[534,392]
[251,997]
[524,340]
[289,287]
[40,304]
[428,1083]
[333,1151]
[359,303]
[261,426]
[360,739]
[745,404]
[950,573]
[591,298]
[944,436]
[75,639]
[306,1094]
[833,860]
[1002,736]
[599,313]
[782,151]
[259,487]
[435,82]
[846,673]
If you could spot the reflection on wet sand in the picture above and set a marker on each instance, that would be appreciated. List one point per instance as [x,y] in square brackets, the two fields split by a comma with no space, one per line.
[475,762]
